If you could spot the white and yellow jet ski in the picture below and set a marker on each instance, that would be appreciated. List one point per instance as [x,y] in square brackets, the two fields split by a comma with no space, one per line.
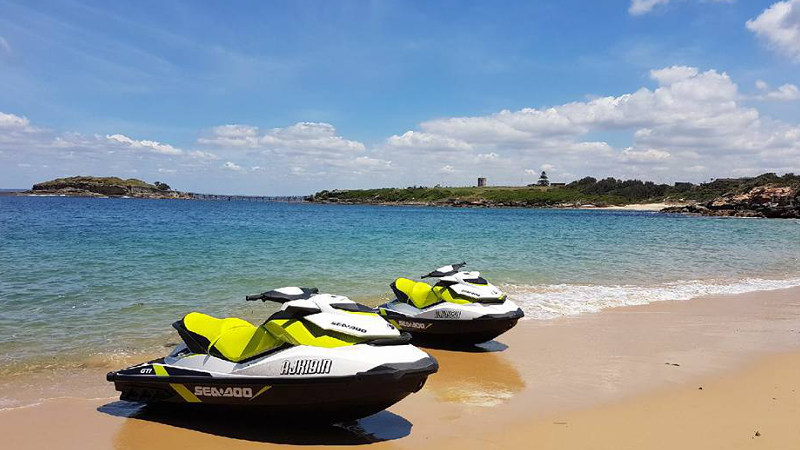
[321,356]
[462,308]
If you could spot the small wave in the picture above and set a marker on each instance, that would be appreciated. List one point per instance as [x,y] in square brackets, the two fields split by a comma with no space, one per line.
[11,405]
[551,301]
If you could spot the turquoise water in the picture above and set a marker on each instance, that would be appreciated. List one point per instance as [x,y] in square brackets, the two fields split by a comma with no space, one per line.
[95,277]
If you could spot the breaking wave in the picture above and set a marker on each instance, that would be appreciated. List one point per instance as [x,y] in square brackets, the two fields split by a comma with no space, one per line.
[551,301]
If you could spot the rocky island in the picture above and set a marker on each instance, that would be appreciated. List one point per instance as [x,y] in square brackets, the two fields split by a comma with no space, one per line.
[85,186]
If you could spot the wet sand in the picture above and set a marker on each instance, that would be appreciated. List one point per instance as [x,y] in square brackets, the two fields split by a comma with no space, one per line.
[623,378]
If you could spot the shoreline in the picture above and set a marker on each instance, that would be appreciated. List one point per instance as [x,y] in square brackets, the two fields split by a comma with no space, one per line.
[538,373]
[649,206]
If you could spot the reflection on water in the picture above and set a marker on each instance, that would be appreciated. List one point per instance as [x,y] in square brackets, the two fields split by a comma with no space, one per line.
[249,425]
[478,376]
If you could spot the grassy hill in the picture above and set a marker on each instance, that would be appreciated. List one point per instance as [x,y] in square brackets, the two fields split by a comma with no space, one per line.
[608,191]
[109,181]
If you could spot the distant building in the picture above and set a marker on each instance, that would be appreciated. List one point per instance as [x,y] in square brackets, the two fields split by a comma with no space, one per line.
[557,184]
[481,182]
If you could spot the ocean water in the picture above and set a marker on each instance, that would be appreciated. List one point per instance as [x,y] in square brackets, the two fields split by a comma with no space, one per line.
[85,280]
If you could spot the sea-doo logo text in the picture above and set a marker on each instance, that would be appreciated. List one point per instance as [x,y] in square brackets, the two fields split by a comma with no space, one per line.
[208,391]
[448,314]
[348,326]
[417,325]
[306,367]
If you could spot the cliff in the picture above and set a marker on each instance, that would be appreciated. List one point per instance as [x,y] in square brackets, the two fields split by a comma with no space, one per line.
[105,187]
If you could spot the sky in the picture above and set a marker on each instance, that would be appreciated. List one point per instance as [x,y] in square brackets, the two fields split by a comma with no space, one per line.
[292,97]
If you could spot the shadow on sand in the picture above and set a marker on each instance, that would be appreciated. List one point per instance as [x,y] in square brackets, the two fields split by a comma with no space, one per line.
[486,347]
[251,426]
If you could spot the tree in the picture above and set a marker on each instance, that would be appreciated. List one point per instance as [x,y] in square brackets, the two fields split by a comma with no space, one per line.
[162,186]
[543,181]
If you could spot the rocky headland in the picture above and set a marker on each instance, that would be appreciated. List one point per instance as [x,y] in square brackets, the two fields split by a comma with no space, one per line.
[105,187]
[777,202]
[768,195]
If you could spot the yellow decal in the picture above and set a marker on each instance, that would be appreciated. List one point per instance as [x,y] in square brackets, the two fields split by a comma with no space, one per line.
[264,389]
[185,393]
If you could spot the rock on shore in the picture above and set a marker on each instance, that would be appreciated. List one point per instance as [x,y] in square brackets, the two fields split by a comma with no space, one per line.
[779,202]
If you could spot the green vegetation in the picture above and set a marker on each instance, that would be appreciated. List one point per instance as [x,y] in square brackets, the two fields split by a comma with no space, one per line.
[162,186]
[608,191]
[111,181]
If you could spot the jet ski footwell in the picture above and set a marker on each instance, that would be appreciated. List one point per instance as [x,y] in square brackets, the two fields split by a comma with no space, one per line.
[321,398]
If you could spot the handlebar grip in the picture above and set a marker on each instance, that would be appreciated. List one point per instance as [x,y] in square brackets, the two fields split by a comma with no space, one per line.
[251,298]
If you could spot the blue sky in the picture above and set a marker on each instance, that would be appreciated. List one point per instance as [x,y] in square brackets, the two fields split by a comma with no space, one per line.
[295,96]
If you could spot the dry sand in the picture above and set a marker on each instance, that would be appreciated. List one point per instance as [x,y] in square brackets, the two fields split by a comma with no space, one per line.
[622,378]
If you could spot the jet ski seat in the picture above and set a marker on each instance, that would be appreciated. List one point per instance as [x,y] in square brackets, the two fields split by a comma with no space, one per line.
[419,293]
[231,338]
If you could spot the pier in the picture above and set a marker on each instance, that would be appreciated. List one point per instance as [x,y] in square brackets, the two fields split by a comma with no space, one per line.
[250,198]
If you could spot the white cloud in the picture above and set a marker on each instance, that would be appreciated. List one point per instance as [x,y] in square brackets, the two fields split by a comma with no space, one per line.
[365,162]
[153,146]
[426,141]
[51,154]
[199,154]
[4,45]
[673,74]
[487,157]
[786,92]
[643,156]
[639,7]
[779,26]
[232,166]
[13,122]
[689,125]
[691,120]
[302,149]
[303,137]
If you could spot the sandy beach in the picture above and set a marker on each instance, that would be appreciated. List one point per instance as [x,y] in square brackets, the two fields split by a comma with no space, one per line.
[623,378]
[635,207]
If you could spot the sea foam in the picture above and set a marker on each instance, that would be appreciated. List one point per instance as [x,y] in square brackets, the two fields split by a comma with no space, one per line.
[551,301]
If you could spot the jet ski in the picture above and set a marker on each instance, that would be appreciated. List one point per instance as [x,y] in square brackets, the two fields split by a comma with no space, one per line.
[462,308]
[322,356]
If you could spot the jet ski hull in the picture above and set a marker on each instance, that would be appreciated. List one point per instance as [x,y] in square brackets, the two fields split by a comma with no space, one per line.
[321,399]
[454,332]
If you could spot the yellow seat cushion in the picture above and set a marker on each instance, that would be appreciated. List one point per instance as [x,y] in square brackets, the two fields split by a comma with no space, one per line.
[235,339]
[420,293]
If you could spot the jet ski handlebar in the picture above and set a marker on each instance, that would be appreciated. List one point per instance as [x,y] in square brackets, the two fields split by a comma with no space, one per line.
[445,271]
[283,295]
